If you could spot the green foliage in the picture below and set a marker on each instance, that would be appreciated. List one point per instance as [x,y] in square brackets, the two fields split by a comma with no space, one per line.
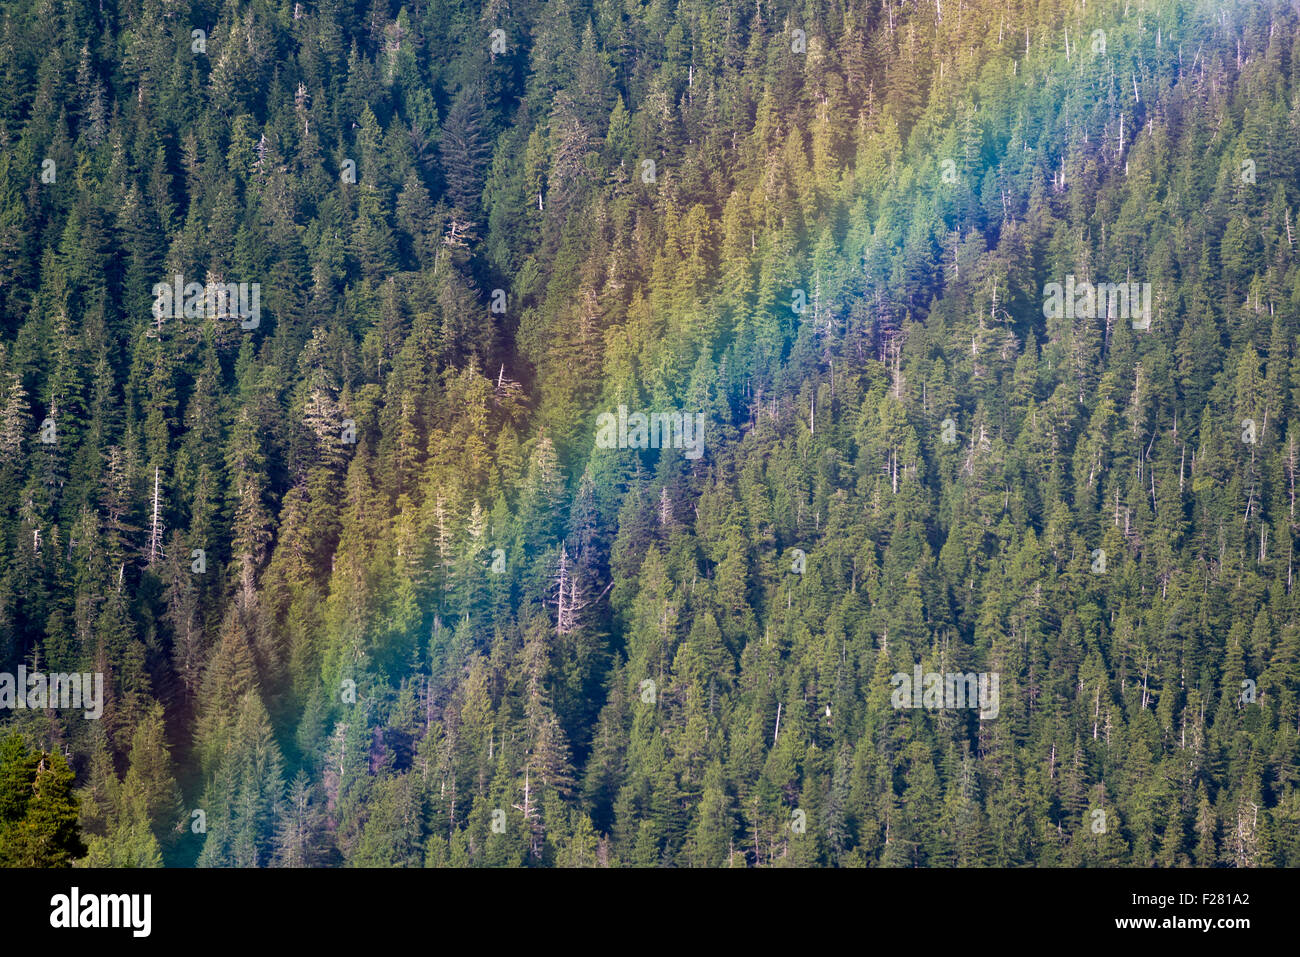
[38,808]
[390,606]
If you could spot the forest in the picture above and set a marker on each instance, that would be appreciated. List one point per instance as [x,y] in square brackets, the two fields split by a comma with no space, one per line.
[545,433]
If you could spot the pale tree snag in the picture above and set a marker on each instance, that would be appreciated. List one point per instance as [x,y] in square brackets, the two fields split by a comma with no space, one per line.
[155,525]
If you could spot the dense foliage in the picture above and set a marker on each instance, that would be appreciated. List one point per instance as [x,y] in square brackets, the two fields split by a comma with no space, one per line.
[38,811]
[364,590]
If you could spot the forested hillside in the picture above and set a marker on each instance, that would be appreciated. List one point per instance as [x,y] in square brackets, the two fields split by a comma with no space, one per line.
[366,589]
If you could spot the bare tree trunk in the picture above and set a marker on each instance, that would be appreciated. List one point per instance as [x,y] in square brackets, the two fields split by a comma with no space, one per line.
[155,525]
